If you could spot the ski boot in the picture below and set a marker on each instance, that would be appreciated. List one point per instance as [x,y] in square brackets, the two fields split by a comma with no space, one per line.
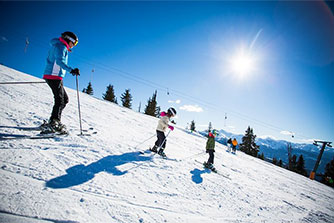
[162,153]
[44,124]
[46,127]
[212,168]
[209,166]
[154,149]
[60,128]
[54,126]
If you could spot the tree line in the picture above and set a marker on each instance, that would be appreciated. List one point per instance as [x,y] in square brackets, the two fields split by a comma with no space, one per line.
[151,108]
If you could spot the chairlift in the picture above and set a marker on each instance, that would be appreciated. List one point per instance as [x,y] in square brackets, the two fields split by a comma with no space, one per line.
[27,43]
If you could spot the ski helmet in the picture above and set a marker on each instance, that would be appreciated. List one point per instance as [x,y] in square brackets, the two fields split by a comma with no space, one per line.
[69,36]
[171,111]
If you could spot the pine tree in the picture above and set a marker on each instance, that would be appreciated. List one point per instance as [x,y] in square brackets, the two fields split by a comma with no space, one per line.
[126,99]
[110,94]
[289,156]
[274,161]
[151,107]
[280,163]
[210,127]
[293,163]
[300,166]
[89,89]
[248,144]
[192,125]
[328,177]
[261,156]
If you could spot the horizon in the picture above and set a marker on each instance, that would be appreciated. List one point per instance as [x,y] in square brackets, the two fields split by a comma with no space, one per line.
[184,51]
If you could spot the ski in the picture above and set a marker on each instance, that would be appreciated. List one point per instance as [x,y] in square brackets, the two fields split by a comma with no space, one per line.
[21,128]
[43,135]
[154,153]
[170,159]
[46,136]
[214,171]
[45,129]
[146,151]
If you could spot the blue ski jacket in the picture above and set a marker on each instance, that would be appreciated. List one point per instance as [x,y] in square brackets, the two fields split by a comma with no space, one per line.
[56,62]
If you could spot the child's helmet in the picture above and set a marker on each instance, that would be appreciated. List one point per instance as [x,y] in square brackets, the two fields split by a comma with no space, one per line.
[171,111]
[69,36]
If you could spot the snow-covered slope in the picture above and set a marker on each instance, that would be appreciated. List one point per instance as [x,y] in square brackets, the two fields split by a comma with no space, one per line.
[103,178]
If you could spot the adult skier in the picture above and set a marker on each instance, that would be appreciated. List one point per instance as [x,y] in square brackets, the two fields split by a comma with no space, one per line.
[234,145]
[210,148]
[161,128]
[56,67]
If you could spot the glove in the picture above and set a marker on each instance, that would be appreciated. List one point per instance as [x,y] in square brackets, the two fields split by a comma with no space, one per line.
[171,127]
[162,114]
[75,71]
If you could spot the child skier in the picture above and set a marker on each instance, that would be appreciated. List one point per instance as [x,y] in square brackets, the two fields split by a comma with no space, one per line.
[210,148]
[234,145]
[56,67]
[161,128]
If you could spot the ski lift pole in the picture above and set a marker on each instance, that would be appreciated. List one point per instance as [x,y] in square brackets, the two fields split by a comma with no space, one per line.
[324,144]
[79,104]
[26,47]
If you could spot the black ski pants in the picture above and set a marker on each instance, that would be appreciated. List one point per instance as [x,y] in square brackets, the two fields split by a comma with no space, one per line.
[60,98]
[161,141]
[211,156]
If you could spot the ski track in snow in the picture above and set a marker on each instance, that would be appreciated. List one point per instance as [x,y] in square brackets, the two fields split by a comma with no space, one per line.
[103,178]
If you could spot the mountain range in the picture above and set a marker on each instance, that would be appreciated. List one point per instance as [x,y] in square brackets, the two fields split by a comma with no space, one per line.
[273,148]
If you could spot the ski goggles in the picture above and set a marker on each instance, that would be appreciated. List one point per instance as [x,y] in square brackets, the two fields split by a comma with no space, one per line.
[74,41]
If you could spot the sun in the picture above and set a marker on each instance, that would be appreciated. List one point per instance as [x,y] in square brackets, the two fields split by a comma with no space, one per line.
[242,64]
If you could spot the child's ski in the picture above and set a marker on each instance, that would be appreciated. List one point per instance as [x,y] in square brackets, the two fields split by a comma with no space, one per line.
[214,170]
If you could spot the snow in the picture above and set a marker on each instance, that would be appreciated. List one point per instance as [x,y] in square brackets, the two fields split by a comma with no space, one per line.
[103,178]
[273,148]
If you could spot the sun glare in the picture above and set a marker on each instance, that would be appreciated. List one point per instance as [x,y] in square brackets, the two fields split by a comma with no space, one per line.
[242,64]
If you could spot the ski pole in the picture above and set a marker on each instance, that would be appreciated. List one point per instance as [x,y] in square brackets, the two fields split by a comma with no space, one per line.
[145,141]
[79,104]
[164,139]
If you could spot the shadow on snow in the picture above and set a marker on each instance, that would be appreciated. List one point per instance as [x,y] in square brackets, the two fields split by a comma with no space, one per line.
[196,175]
[23,128]
[80,174]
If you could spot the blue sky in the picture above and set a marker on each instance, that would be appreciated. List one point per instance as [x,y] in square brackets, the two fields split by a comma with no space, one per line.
[188,49]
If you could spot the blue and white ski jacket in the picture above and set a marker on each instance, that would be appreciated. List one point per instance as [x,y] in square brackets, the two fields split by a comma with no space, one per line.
[56,63]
